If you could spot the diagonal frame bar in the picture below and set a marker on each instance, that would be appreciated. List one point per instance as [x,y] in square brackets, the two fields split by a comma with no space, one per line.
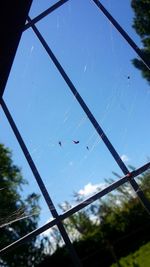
[78,207]
[45,13]
[105,191]
[42,186]
[29,160]
[123,33]
[92,119]
[28,237]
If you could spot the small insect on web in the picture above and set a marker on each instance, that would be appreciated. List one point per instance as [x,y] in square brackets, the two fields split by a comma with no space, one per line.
[75,142]
[60,143]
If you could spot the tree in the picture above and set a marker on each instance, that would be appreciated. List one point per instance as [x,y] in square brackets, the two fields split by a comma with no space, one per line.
[141,24]
[18,216]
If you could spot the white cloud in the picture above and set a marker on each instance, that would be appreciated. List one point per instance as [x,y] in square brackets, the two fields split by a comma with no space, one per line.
[90,189]
[124,158]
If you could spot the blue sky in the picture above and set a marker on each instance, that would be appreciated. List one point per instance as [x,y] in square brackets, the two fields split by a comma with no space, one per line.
[98,61]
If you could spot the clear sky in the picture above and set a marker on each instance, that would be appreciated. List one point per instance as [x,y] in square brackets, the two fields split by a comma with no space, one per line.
[98,61]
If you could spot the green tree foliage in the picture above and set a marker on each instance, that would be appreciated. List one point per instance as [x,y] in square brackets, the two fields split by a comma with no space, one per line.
[107,230]
[18,216]
[140,258]
[141,24]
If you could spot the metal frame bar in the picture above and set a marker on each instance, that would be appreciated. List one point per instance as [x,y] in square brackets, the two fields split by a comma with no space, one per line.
[45,13]
[123,33]
[78,207]
[129,176]
[41,185]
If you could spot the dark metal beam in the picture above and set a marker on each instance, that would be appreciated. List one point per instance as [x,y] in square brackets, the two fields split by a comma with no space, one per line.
[13,15]
[123,33]
[77,208]
[127,178]
[45,13]
[28,237]
[42,186]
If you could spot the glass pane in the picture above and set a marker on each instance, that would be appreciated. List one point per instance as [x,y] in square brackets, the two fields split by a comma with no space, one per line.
[49,118]
[99,62]
[47,114]
[73,161]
